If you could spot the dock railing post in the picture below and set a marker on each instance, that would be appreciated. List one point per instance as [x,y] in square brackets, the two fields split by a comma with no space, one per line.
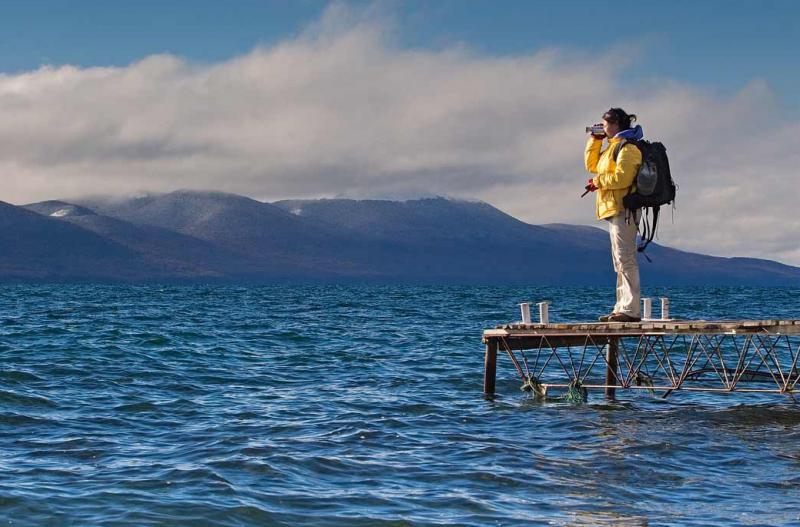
[490,367]
[612,364]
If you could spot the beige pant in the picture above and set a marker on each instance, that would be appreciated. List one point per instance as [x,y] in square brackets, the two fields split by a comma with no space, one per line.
[623,254]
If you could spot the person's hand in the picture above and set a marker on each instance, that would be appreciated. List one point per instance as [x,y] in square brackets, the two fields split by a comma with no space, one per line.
[591,186]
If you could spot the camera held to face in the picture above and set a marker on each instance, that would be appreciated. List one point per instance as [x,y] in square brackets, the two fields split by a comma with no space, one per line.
[596,129]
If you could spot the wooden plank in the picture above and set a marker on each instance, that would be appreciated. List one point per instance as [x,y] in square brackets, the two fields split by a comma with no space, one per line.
[632,329]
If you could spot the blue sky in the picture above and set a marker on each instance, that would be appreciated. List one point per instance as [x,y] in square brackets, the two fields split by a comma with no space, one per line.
[720,45]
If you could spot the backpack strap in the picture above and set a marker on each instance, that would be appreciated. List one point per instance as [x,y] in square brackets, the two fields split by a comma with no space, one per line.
[619,149]
[622,143]
[649,231]
[616,159]
[642,235]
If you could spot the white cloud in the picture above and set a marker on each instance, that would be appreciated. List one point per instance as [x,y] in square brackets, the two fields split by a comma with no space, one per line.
[340,110]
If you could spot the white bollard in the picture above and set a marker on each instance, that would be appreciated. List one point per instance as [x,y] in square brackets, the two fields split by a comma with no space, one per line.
[664,308]
[544,316]
[525,307]
[647,308]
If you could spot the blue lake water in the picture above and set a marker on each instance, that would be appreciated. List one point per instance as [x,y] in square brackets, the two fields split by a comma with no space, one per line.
[359,406]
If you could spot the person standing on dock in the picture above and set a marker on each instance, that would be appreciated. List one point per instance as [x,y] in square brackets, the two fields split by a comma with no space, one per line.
[616,169]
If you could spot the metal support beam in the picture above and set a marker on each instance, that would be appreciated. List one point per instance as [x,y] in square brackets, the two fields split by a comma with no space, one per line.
[700,356]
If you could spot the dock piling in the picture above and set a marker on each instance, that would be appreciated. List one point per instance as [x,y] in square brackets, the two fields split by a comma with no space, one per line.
[612,364]
[490,367]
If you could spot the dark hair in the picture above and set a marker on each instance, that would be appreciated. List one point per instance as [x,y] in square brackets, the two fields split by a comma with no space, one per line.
[618,116]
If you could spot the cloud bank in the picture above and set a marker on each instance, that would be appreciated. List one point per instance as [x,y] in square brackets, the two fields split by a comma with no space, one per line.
[342,111]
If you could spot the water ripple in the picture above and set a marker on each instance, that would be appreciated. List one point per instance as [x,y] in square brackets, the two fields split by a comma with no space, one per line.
[358,406]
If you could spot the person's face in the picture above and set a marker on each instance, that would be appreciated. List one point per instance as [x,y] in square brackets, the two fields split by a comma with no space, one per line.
[611,129]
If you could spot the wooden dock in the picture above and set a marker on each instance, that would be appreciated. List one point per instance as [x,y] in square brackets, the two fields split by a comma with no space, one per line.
[659,356]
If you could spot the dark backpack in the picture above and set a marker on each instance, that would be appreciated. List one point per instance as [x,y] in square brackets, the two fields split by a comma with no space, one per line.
[654,187]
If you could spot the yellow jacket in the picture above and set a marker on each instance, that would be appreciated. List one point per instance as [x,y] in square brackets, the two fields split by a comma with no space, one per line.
[613,179]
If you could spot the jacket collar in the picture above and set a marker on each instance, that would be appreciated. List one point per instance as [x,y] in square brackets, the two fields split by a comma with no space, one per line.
[634,133]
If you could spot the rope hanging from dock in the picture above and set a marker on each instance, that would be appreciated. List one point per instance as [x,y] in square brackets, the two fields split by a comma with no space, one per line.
[576,393]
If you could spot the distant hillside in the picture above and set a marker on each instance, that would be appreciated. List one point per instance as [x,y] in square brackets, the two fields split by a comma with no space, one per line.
[435,220]
[173,253]
[277,243]
[200,236]
[519,252]
[33,247]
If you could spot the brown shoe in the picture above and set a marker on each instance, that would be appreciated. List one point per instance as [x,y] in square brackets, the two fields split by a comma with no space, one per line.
[606,318]
[622,317]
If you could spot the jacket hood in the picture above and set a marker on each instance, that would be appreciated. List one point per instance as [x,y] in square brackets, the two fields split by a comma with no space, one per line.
[634,133]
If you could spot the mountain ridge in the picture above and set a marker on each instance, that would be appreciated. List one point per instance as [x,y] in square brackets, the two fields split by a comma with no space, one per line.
[190,236]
